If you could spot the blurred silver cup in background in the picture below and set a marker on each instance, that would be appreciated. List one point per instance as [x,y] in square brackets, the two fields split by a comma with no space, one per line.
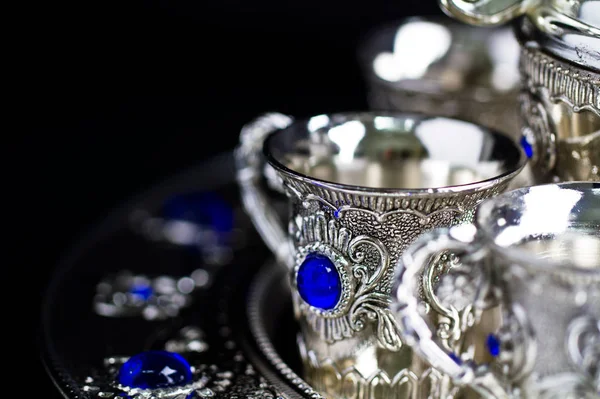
[437,65]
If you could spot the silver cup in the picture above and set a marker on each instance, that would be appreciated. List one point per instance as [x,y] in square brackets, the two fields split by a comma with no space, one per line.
[441,66]
[361,187]
[530,263]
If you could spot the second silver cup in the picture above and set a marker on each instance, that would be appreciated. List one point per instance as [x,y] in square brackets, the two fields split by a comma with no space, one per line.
[532,259]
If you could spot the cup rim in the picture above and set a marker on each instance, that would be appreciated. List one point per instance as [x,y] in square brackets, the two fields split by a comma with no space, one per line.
[523,257]
[398,192]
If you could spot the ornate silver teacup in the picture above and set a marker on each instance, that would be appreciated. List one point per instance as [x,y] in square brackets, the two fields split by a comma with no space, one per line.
[560,74]
[361,188]
[532,258]
[452,69]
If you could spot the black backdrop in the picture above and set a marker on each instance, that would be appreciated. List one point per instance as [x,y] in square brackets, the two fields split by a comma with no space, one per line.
[125,94]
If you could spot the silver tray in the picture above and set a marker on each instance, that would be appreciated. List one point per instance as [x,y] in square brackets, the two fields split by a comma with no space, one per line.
[221,327]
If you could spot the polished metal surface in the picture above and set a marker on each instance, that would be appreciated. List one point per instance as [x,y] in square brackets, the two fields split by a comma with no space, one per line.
[361,187]
[533,257]
[454,70]
[568,30]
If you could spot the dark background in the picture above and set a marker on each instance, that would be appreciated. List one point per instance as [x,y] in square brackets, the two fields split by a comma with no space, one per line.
[125,94]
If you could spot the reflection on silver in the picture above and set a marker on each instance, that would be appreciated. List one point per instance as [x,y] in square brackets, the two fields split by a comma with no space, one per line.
[393,152]
[452,69]
[361,188]
[541,246]
[158,298]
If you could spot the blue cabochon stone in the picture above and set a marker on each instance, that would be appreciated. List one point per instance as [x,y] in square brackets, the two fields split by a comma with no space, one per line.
[155,369]
[318,281]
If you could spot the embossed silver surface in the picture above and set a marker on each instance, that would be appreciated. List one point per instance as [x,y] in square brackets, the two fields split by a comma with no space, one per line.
[361,188]
[453,69]
[560,115]
[534,255]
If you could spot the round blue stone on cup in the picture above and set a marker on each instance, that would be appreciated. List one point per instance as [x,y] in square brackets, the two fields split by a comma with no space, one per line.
[318,282]
[155,369]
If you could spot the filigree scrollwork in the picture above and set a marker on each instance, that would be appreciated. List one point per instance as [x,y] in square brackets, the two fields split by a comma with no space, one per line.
[583,346]
[361,262]
[456,295]
[518,345]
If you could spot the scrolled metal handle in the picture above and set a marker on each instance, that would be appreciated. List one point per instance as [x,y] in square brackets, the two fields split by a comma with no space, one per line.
[249,161]
[415,330]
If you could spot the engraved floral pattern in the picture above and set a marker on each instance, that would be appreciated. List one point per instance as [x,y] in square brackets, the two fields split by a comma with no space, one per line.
[361,262]
[363,235]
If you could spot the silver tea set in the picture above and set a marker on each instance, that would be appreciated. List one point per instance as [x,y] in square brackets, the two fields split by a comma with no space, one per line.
[445,243]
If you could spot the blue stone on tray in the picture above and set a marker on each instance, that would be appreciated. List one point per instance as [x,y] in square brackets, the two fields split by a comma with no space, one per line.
[144,291]
[493,345]
[319,283]
[200,208]
[155,369]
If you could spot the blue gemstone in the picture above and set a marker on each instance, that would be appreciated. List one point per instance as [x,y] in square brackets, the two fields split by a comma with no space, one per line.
[493,345]
[155,369]
[319,282]
[144,291]
[337,214]
[527,147]
[205,209]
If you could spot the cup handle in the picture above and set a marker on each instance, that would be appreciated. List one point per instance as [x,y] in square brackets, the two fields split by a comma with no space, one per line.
[415,330]
[486,12]
[249,161]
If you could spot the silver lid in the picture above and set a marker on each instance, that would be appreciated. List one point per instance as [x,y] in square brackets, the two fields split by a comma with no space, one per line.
[569,29]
